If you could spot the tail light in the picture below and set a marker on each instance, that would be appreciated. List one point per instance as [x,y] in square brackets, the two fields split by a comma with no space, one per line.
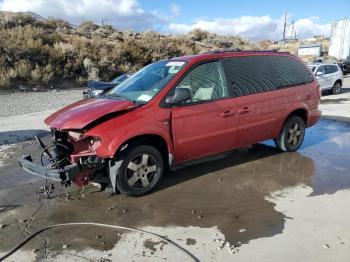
[319,91]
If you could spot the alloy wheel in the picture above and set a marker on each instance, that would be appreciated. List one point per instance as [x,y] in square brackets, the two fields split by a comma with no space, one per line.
[141,170]
[294,134]
[337,89]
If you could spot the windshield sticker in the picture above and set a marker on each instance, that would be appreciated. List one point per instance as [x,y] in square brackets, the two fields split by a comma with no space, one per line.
[175,63]
[144,98]
[174,69]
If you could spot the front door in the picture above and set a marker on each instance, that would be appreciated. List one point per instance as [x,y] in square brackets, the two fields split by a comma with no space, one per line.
[206,123]
[322,77]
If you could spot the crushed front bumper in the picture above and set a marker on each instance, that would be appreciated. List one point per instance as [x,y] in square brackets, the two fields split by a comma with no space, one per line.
[67,173]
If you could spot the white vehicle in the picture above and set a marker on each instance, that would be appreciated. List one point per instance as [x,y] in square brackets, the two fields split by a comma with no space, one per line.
[329,76]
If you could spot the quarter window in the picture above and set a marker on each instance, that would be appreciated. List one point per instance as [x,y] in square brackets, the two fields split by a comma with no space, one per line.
[206,82]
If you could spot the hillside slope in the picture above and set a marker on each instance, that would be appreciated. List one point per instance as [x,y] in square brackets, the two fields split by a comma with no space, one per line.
[41,52]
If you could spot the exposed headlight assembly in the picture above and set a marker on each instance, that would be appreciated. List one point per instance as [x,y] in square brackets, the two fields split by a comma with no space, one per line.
[75,135]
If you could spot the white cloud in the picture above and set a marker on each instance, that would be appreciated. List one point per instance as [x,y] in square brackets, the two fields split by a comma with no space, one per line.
[175,10]
[254,27]
[120,13]
[128,14]
[306,28]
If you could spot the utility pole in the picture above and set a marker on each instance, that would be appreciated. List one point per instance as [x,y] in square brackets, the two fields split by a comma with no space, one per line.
[284,27]
[292,31]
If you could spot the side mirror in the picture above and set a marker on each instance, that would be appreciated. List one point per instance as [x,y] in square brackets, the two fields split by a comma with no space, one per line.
[181,94]
[319,73]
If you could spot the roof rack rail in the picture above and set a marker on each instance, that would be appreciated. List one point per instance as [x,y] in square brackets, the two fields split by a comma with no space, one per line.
[240,50]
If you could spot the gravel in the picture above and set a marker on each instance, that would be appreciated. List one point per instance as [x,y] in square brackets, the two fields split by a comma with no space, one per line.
[19,103]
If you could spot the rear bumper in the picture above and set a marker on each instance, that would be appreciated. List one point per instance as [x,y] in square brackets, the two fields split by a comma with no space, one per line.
[314,116]
[65,174]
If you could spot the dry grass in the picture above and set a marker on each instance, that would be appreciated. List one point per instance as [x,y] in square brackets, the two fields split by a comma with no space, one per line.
[40,52]
[47,52]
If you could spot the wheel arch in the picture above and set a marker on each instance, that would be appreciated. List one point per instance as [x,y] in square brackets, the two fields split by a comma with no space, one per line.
[339,81]
[154,140]
[302,112]
[298,111]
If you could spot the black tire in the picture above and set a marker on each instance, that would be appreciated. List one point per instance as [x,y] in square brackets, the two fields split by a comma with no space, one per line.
[290,139]
[135,171]
[336,88]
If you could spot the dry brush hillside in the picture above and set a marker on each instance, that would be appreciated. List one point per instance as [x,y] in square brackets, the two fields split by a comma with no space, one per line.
[51,52]
[40,53]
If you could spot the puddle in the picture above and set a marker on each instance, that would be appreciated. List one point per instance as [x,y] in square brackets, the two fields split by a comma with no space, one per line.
[327,145]
[331,156]
[228,193]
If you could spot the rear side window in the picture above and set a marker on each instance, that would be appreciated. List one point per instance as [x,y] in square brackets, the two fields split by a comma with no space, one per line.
[330,69]
[256,74]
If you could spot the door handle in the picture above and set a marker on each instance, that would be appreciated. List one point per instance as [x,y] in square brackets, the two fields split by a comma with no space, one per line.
[244,110]
[227,113]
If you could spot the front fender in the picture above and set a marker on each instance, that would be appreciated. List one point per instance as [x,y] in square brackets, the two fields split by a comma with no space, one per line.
[117,131]
[110,147]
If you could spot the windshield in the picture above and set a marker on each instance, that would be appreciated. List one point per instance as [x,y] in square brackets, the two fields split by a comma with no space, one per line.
[146,83]
[120,78]
[312,68]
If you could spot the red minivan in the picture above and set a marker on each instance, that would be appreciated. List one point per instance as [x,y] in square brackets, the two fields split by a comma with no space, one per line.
[178,110]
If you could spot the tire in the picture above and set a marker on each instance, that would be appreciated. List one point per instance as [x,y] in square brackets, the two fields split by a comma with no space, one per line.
[141,170]
[292,134]
[336,88]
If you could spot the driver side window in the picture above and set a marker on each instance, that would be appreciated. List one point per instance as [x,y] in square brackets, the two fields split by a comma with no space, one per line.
[206,83]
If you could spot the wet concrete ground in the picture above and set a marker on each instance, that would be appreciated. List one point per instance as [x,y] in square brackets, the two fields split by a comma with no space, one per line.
[231,196]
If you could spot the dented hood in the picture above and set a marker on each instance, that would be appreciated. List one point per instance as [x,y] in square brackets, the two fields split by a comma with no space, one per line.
[79,114]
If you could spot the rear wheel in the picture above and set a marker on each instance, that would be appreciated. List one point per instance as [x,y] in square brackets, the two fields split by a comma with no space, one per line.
[292,134]
[141,170]
[336,88]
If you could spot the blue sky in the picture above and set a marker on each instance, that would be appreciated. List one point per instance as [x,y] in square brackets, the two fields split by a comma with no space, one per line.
[252,19]
[326,10]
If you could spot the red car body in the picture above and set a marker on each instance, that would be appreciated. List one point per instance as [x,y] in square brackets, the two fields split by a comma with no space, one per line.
[189,132]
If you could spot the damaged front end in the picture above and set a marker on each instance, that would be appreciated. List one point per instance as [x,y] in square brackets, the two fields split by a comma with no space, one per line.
[69,157]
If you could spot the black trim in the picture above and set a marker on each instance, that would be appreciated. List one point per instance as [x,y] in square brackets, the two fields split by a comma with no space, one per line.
[237,50]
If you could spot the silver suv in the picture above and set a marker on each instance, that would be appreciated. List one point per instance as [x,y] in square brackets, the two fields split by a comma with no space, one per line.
[329,76]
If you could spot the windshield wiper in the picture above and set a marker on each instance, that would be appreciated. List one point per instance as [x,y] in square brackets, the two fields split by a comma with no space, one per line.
[120,96]
[115,95]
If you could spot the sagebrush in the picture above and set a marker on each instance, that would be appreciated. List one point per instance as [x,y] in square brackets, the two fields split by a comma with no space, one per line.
[43,52]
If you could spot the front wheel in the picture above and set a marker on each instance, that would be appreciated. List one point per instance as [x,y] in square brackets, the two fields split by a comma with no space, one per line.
[336,88]
[292,134]
[140,171]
